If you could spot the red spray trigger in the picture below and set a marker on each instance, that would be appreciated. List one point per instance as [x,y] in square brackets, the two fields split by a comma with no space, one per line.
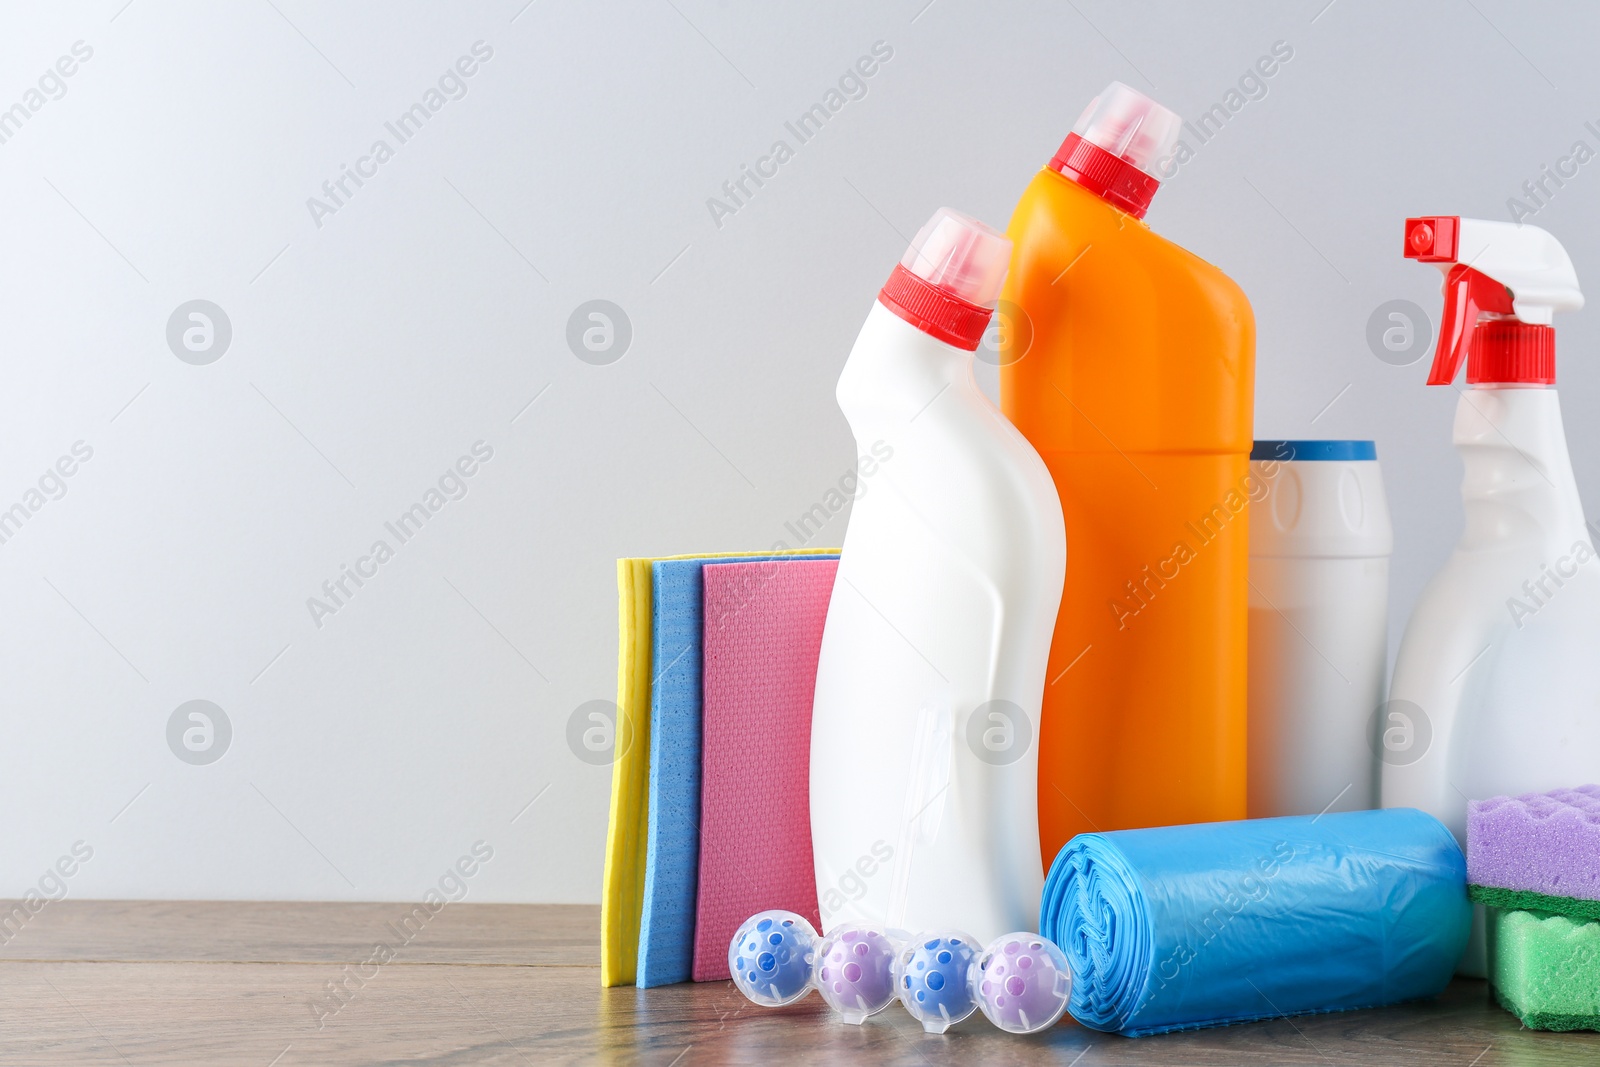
[1467,295]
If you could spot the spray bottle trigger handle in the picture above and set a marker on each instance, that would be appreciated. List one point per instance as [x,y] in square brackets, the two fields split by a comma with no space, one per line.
[1467,295]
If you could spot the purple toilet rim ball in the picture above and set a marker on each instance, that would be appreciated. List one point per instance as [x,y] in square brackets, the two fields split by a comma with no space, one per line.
[1021,981]
[854,970]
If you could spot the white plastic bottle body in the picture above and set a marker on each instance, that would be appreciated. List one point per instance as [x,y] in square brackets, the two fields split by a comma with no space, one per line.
[1320,541]
[1496,686]
[1318,649]
[923,739]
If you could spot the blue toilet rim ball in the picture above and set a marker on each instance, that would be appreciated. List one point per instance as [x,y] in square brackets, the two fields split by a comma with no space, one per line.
[931,978]
[770,957]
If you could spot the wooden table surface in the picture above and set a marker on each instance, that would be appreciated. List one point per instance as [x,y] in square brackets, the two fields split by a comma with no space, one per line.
[132,983]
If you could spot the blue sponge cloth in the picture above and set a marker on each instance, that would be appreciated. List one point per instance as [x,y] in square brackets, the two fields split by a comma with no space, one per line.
[672,849]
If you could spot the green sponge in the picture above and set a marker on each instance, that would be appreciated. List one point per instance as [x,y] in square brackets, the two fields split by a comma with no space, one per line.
[1546,968]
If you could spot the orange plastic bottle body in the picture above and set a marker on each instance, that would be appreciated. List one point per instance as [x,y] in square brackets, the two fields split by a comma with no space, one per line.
[1135,383]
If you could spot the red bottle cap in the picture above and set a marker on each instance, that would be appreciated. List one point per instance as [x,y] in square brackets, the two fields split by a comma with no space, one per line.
[1505,351]
[1118,144]
[948,281]
[1103,174]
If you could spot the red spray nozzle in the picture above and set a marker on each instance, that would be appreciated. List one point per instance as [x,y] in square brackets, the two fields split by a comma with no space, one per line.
[1432,239]
[1501,284]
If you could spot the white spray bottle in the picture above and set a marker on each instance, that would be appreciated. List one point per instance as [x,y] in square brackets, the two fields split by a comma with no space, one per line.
[1496,687]
[924,755]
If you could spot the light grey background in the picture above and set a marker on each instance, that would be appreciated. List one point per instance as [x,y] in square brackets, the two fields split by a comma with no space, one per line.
[371,352]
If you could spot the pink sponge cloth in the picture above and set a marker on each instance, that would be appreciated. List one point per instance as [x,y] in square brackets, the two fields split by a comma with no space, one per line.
[1537,843]
[763,633]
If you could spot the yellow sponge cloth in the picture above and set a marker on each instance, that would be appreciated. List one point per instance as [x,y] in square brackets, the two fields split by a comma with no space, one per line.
[622,886]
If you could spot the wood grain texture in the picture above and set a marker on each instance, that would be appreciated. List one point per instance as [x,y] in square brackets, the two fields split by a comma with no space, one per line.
[298,932]
[116,982]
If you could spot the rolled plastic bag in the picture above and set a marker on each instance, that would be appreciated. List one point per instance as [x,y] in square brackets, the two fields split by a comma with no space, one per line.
[1182,927]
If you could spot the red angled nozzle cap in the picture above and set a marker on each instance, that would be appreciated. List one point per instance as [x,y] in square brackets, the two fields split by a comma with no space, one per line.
[1104,175]
[949,279]
[933,310]
[1120,142]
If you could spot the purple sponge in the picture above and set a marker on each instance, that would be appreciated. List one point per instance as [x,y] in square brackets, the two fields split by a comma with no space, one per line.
[1538,850]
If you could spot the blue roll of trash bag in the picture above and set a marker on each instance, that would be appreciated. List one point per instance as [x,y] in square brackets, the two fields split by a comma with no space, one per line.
[1181,927]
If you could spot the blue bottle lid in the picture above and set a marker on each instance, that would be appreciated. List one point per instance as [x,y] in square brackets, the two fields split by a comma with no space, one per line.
[1302,451]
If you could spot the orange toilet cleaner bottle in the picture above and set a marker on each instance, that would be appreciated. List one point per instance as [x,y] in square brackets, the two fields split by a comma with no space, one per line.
[1129,363]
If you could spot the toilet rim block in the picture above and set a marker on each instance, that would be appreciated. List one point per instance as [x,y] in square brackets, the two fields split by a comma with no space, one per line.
[770,957]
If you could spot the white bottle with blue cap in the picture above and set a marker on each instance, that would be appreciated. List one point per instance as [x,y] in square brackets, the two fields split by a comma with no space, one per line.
[1320,542]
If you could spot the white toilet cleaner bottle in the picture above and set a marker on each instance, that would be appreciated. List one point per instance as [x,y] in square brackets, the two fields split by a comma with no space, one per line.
[1496,687]
[924,757]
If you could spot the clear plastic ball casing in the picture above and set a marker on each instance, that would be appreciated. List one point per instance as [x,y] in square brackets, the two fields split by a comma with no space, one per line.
[930,978]
[770,958]
[854,971]
[1021,982]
